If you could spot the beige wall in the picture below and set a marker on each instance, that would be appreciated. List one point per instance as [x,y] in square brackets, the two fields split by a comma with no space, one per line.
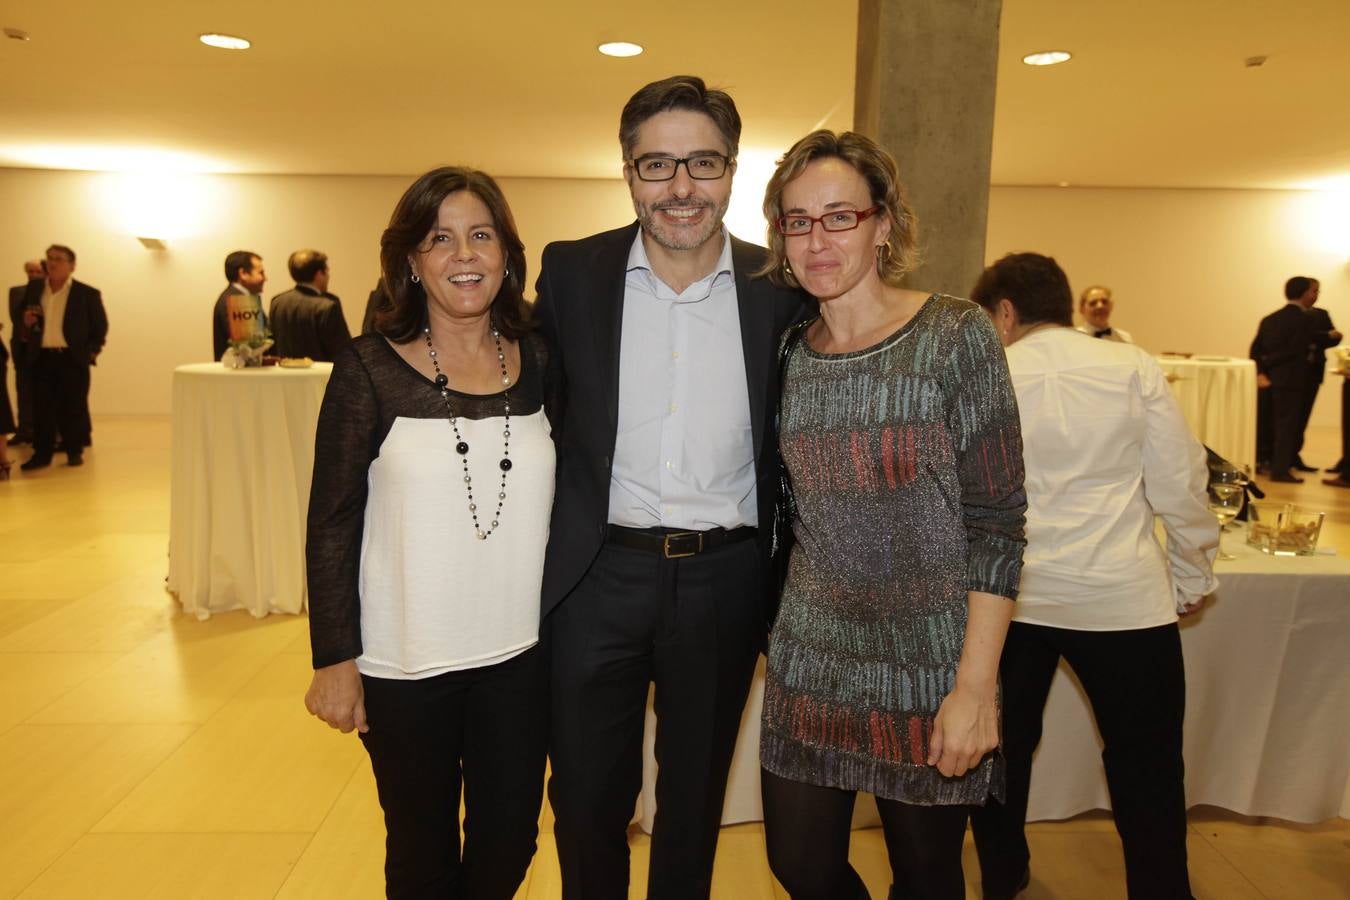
[1191,270]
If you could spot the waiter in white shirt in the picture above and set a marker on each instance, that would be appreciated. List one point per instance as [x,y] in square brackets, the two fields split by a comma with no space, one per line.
[1106,449]
[1095,306]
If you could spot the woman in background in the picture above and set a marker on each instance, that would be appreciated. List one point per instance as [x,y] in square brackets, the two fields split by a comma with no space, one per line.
[1106,451]
[433,483]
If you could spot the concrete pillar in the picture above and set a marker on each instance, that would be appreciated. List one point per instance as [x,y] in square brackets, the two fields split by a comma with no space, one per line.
[927,70]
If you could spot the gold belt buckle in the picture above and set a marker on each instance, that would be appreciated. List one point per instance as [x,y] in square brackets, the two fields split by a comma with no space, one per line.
[698,548]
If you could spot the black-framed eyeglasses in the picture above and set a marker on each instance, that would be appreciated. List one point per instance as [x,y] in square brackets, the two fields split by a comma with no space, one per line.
[700,166]
[838,220]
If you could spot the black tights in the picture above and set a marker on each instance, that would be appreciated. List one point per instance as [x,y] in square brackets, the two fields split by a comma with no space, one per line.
[807,827]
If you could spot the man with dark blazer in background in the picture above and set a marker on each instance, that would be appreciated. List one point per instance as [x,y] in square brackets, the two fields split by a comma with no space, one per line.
[1324,336]
[68,328]
[18,342]
[245,274]
[307,320]
[1281,352]
[657,556]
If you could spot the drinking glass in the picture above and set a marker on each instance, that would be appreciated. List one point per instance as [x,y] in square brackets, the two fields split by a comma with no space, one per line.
[1225,501]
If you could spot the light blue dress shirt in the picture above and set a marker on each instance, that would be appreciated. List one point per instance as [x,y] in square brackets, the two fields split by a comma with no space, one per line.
[684,455]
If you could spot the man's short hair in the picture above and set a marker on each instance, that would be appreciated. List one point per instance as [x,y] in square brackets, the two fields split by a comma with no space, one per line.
[237,262]
[305,265]
[1297,286]
[680,92]
[62,248]
[1034,284]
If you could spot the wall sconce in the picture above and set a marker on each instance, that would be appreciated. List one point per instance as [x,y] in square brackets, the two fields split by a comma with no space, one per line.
[150,243]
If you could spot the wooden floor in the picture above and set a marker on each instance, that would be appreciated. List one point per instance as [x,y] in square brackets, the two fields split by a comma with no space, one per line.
[147,755]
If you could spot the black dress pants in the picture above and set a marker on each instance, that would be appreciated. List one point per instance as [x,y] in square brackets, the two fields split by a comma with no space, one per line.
[692,626]
[1136,683]
[23,390]
[1286,419]
[486,727]
[61,396]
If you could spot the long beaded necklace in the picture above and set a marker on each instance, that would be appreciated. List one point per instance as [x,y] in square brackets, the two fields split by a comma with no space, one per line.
[462,446]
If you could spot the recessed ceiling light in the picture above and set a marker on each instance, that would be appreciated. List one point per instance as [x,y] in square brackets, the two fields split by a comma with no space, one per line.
[620,48]
[224,41]
[1047,58]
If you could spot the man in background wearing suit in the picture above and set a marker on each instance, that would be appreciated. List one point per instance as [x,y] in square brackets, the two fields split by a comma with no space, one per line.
[18,342]
[245,274]
[307,320]
[1281,353]
[68,326]
[1324,336]
[657,556]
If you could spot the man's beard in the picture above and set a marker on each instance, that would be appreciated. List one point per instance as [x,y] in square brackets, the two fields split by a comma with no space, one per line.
[681,239]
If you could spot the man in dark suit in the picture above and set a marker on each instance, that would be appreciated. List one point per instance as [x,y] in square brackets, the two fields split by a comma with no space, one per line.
[68,326]
[18,342]
[307,320]
[1282,377]
[657,556]
[1324,336]
[245,274]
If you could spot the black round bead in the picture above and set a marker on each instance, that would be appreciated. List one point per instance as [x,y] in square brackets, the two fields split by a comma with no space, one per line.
[506,465]
[462,448]
[441,380]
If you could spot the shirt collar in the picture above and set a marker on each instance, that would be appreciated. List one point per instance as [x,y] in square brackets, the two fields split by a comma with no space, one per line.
[637,256]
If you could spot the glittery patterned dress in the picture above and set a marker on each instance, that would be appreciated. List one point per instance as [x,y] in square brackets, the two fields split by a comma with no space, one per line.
[906,465]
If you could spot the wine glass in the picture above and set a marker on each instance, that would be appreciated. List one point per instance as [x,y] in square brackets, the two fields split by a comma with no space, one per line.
[1225,501]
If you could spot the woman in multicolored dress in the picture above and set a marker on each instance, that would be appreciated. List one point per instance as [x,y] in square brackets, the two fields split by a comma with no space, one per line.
[901,437]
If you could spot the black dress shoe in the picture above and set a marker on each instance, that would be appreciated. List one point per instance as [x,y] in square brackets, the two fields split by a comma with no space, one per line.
[1009,895]
[22,438]
[1300,467]
[74,459]
[1336,482]
[1286,478]
[37,462]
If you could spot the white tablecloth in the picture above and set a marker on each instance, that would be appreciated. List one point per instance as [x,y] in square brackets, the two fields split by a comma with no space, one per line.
[1267,706]
[1218,399]
[243,452]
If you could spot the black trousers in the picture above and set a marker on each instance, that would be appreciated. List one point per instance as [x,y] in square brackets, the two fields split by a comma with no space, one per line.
[1344,465]
[61,397]
[23,390]
[1279,418]
[1305,413]
[486,727]
[693,627]
[1136,684]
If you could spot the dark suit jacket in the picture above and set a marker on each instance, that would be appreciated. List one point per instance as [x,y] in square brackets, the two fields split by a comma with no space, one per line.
[220,322]
[374,302]
[85,326]
[18,336]
[307,322]
[1321,340]
[1281,347]
[580,309]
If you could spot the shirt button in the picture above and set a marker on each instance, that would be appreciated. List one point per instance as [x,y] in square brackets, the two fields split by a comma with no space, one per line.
[673,407]
[675,355]
[668,464]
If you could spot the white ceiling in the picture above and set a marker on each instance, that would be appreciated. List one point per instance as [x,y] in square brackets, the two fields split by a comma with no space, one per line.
[1156,95]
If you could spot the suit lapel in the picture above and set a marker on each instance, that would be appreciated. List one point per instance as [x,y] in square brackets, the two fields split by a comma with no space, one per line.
[756,314]
[610,265]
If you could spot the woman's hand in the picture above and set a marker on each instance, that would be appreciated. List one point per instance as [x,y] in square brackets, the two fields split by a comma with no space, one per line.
[966,728]
[336,696]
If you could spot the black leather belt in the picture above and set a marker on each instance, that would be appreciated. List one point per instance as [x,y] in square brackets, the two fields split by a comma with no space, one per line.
[674,544]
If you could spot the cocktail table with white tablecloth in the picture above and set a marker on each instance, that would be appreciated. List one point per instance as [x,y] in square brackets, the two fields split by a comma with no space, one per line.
[243,453]
[1217,395]
[1267,706]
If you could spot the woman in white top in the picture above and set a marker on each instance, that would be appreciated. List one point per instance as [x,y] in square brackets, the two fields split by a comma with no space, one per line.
[1106,450]
[433,483]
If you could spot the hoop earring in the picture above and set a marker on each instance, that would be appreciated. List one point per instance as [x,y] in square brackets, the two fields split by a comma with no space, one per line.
[416,279]
[507,273]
